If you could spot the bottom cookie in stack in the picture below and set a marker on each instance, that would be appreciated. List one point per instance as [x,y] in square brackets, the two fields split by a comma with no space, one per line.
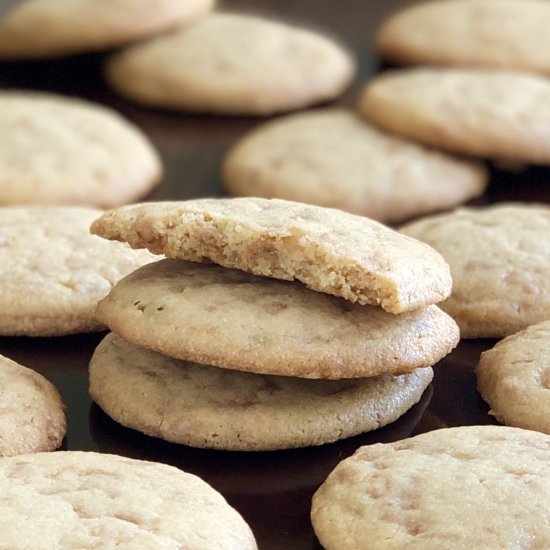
[319,368]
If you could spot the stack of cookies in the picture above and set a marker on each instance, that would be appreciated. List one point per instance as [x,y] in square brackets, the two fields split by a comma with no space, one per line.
[304,324]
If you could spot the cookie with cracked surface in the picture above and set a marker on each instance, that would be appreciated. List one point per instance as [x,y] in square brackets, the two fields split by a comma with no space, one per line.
[498,115]
[329,250]
[426,493]
[499,258]
[35,29]
[204,406]
[61,150]
[504,34]
[53,271]
[233,64]
[231,319]
[514,378]
[32,417]
[333,158]
[72,499]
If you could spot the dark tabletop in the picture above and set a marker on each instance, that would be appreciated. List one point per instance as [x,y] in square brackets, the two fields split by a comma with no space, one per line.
[272,490]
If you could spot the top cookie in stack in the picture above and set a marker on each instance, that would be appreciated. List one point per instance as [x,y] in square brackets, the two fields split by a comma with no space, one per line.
[253,322]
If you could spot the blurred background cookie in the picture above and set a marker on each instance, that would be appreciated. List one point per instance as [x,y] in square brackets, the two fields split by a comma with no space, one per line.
[62,150]
[233,64]
[35,29]
[334,158]
[53,271]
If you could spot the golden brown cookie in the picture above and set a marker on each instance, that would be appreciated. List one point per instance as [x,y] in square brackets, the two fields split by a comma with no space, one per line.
[32,416]
[499,258]
[231,319]
[333,158]
[514,378]
[233,64]
[49,28]
[482,487]
[329,250]
[53,271]
[70,499]
[209,407]
[506,34]
[498,115]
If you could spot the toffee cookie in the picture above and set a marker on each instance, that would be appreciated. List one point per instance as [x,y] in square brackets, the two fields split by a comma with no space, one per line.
[499,258]
[53,271]
[205,406]
[231,319]
[60,150]
[504,34]
[32,416]
[514,378]
[50,28]
[329,250]
[233,64]
[470,487]
[497,115]
[72,499]
[333,158]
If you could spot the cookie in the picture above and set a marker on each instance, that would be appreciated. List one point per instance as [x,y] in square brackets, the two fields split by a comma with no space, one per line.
[514,378]
[233,64]
[469,487]
[332,158]
[231,319]
[53,271]
[504,34]
[490,114]
[48,28]
[328,250]
[499,258]
[72,499]
[32,416]
[204,406]
[60,150]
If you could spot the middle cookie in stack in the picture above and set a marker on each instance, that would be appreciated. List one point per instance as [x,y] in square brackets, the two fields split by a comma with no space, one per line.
[268,335]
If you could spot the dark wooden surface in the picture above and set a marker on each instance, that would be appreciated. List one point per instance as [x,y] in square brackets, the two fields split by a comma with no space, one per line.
[272,490]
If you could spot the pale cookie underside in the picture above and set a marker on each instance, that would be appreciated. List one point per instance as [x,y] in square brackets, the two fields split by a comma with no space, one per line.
[32,417]
[514,378]
[498,115]
[49,28]
[499,259]
[470,487]
[61,150]
[334,159]
[205,406]
[227,318]
[53,271]
[68,500]
[493,33]
[329,250]
[233,64]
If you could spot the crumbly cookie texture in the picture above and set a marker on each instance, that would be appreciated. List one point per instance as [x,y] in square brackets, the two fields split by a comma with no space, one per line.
[498,115]
[227,318]
[514,378]
[334,158]
[470,487]
[71,499]
[233,64]
[329,250]
[61,150]
[206,406]
[48,28]
[499,259]
[32,416]
[504,34]
[53,271]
